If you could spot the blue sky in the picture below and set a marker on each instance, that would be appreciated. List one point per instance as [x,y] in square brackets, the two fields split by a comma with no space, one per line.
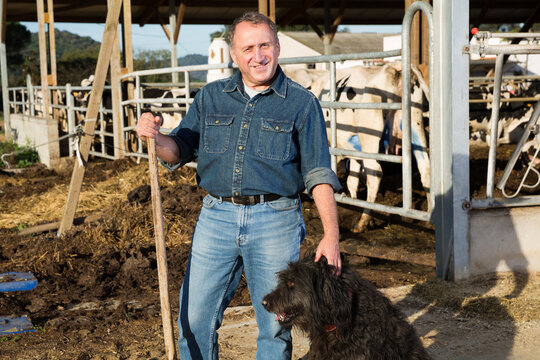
[193,39]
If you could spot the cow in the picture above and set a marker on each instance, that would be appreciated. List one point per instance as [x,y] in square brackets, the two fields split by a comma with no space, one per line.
[364,129]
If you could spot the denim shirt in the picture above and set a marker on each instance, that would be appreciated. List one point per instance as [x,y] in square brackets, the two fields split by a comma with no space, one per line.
[274,142]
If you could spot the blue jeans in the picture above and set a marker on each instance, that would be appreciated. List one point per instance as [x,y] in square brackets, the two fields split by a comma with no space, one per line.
[260,239]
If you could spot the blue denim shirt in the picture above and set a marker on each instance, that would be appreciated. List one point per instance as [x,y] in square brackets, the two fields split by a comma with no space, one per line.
[274,142]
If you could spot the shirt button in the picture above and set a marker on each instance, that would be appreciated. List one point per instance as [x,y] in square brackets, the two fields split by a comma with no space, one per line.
[240,147]
[236,193]
[250,105]
[277,128]
[237,170]
[217,121]
[245,126]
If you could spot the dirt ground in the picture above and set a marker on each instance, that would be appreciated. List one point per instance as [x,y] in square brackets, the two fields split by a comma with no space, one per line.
[97,295]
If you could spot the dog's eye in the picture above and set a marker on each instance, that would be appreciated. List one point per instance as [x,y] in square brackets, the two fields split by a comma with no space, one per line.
[290,284]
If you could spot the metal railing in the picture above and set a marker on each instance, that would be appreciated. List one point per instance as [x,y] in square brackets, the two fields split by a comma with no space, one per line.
[482,49]
[25,100]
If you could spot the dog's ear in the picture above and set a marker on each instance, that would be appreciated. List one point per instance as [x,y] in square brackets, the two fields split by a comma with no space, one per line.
[323,260]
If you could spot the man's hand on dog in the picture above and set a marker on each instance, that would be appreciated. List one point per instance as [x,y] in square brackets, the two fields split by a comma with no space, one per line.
[329,248]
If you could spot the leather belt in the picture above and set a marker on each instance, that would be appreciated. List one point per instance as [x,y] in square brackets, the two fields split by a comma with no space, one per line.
[248,199]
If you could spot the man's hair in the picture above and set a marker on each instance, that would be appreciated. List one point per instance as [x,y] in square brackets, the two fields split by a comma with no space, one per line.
[254,18]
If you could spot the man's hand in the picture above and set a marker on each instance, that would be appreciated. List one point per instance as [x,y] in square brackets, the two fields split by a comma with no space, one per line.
[148,126]
[330,250]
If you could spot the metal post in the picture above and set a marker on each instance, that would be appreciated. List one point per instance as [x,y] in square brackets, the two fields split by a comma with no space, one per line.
[31,99]
[494,133]
[5,93]
[333,125]
[70,116]
[449,138]
[172,23]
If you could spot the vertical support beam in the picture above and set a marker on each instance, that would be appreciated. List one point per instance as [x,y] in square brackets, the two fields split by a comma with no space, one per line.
[415,35]
[263,7]
[105,51]
[179,19]
[327,29]
[116,95]
[3,69]
[130,143]
[449,138]
[272,10]
[43,68]
[172,24]
[52,42]
[52,79]
[419,38]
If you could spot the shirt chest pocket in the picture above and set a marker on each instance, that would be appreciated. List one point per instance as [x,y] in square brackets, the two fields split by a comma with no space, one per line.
[217,133]
[275,139]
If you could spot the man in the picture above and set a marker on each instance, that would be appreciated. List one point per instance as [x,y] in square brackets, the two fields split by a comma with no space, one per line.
[259,140]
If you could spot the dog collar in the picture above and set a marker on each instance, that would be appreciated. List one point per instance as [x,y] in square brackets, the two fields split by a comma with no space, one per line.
[329,328]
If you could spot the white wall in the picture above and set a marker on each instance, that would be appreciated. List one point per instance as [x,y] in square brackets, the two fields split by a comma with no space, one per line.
[504,240]
[36,131]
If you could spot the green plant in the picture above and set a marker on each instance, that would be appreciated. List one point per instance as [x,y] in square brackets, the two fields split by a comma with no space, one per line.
[19,156]
[9,338]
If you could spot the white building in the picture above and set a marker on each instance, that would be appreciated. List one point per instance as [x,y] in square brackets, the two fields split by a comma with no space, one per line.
[308,43]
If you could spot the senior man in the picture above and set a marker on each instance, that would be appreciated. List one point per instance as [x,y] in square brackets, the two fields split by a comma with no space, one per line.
[259,140]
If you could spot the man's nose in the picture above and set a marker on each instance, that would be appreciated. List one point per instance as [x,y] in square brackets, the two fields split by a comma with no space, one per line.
[259,55]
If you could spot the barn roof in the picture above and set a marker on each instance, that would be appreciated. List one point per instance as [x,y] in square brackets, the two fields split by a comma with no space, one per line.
[287,11]
[343,43]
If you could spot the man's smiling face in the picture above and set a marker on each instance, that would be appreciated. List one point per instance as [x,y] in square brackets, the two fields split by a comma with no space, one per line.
[255,50]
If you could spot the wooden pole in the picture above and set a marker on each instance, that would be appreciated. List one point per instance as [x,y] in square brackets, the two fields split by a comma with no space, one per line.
[130,143]
[116,94]
[40,8]
[105,51]
[161,255]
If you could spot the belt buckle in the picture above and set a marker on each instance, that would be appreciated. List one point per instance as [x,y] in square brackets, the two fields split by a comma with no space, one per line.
[251,200]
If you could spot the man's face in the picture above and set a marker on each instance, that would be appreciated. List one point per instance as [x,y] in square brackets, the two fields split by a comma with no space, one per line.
[255,50]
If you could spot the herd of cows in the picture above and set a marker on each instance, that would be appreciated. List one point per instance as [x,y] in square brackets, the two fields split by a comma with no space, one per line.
[366,130]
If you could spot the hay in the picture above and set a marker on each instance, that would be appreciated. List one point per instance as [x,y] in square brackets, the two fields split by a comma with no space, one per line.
[94,197]
[495,296]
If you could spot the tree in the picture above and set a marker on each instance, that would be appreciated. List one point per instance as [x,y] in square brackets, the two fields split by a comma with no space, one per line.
[17,38]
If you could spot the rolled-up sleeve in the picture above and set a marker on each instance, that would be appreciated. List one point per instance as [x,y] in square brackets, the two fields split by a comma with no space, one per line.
[314,153]
[187,135]
[321,175]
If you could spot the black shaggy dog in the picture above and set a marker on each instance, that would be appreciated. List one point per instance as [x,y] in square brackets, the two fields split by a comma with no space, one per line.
[345,317]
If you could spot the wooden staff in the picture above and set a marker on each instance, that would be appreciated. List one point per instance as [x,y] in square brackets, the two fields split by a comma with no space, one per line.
[161,255]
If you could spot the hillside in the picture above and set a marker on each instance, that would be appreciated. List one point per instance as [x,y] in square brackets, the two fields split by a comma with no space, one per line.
[68,46]
[76,58]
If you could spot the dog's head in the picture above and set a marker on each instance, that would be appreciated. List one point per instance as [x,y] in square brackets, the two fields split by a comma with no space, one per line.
[310,296]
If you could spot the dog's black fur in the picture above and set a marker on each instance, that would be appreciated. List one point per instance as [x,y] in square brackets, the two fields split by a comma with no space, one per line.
[345,317]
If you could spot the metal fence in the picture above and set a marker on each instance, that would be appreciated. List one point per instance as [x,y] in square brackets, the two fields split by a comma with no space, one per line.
[482,49]
[68,111]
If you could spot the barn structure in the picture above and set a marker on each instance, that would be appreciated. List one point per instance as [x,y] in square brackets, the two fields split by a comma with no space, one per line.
[473,236]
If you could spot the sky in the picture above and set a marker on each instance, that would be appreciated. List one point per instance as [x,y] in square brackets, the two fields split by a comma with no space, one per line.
[193,39]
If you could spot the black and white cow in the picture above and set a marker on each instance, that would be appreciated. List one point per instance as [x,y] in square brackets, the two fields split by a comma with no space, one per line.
[366,129]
